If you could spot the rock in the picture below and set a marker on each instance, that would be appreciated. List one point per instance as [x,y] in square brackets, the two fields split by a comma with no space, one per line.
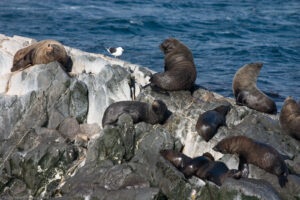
[52,145]
[69,128]
[254,188]
[115,143]
[90,130]
[38,160]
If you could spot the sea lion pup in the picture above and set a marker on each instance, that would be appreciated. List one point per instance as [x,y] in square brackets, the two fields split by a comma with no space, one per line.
[139,111]
[42,52]
[245,90]
[180,72]
[290,118]
[209,122]
[256,153]
[206,168]
[177,159]
[199,164]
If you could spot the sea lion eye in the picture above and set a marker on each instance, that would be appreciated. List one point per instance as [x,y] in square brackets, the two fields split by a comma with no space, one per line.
[48,45]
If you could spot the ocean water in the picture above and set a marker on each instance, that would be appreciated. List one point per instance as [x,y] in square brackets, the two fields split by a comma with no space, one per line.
[223,35]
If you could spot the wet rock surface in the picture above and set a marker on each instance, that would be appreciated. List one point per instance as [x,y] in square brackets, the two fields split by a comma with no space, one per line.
[52,145]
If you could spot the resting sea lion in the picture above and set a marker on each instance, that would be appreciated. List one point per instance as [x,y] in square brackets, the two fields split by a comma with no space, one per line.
[245,90]
[42,52]
[180,72]
[178,159]
[209,122]
[256,153]
[206,168]
[203,167]
[199,164]
[139,111]
[290,118]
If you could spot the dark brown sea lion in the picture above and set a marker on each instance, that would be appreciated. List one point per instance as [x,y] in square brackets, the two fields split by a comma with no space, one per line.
[218,172]
[180,72]
[203,167]
[290,118]
[209,122]
[139,111]
[200,164]
[42,52]
[246,93]
[206,168]
[256,153]
[178,159]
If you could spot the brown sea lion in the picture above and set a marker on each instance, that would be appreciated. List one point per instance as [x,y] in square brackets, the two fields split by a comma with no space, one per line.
[203,167]
[218,172]
[209,122]
[178,159]
[200,164]
[180,72]
[256,153]
[206,168]
[42,52]
[139,111]
[290,118]
[246,93]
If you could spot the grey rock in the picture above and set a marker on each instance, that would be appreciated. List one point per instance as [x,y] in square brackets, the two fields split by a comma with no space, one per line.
[69,128]
[251,187]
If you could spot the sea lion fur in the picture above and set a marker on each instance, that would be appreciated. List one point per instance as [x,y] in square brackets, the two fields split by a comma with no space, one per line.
[179,160]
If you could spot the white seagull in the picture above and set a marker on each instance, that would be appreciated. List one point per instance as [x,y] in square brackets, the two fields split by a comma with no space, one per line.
[115,51]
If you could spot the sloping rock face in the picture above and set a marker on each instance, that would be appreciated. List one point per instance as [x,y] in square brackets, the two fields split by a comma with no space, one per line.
[52,145]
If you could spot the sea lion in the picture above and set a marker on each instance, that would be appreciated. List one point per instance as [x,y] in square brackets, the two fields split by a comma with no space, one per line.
[178,159]
[290,118]
[218,172]
[180,72]
[245,90]
[42,52]
[139,111]
[256,153]
[204,167]
[209,122]
[199,165]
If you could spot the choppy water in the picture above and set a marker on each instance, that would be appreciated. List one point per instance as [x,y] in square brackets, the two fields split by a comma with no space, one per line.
[223,35]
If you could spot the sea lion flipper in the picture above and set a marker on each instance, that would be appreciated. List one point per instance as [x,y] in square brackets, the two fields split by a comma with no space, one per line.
[237,174]
[282,179]
[243,167]
[285,157]
[159,90]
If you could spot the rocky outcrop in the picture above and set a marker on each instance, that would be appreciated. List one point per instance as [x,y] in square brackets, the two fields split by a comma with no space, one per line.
[52,145]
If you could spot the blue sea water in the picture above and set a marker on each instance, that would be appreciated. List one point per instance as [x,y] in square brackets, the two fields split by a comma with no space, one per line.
[223,35]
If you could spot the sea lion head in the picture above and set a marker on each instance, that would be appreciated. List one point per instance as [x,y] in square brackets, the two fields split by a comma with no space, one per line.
[232,144]
[158,111]
[290,109]
[178,159]
[169,45]
[246,77]
[223,109]
[209,156]
[53,50]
